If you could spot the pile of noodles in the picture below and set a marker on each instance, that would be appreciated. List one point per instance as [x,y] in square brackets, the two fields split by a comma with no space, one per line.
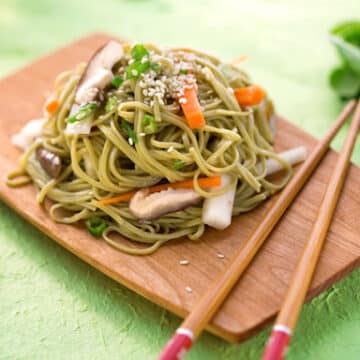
[235,141]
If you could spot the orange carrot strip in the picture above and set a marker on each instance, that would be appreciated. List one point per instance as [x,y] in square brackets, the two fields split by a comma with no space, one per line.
[250,95]
[116,199]
[207,182]
[191,107]
[240,59]
[51,106]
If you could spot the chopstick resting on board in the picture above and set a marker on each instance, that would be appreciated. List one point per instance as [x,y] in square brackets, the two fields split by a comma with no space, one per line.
[291,307]
[204,310]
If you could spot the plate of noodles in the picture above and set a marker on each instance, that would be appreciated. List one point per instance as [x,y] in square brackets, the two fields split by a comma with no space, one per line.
[153,144]
[154,163]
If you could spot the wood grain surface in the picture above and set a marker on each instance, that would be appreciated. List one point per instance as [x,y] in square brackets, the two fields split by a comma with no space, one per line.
[159,277]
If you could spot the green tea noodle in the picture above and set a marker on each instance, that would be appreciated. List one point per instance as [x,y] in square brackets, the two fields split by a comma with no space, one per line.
[105,163]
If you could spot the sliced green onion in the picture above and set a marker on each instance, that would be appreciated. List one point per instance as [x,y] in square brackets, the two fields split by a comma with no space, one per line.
[136,69]
[139,51]
[155,67]
[111,104]
[183,71]
[178,164]
[149,123]
[96,226]
[117,81]
[129,131]
[141,64]
[84,112]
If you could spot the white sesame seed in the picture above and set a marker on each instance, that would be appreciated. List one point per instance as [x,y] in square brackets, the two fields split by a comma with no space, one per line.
[170,149]
[130,141]
[134,72]
[184,262]
[188,289]
[220,256]
[230,90]
[235,130]
[182,100]
[144,59]
[142,134]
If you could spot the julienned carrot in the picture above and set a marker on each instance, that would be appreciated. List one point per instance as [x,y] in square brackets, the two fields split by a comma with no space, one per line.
[51,106]
[240,59]
[207,182]
[191,107]
[249,95]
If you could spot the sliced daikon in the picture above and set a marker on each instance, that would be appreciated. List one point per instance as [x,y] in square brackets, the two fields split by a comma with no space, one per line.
[26,136]
[217,211]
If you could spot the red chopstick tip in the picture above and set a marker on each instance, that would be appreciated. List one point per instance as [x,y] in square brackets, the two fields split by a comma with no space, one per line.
[277,345]
[178,346]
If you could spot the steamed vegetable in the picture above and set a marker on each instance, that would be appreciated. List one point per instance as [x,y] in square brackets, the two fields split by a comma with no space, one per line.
[132,138]
[250,95]
[141,57]
[293,156]
[51,106]
[98,73]
[191,108]
[111,104]
[217,211]
[49,161]
[149,124]
[96,226]
[26,136]
[146,206]
[117,81]
[83,113]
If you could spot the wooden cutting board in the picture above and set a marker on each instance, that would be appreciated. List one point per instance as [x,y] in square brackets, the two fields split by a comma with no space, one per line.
[159,277]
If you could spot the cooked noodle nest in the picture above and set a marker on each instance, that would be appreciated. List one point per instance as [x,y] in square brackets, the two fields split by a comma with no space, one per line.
[235,140]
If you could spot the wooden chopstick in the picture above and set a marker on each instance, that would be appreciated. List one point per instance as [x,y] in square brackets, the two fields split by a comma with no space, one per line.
[204,310]
[291,307]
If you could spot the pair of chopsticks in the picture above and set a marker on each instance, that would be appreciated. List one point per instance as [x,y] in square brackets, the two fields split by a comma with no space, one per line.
[196,321]
[286,320]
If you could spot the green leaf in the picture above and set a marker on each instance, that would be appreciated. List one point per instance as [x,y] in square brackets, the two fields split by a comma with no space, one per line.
[348,31]
[345,82]
[96,226]
[346,39]
[183,71]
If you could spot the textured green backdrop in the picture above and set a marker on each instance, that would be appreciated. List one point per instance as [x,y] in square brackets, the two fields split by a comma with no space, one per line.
[52,305]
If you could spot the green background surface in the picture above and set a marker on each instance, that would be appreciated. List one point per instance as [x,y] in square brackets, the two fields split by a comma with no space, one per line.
[54,306]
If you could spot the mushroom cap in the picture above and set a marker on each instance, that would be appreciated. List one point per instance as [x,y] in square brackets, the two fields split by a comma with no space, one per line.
[146,206]
[50,162]
[97,74]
